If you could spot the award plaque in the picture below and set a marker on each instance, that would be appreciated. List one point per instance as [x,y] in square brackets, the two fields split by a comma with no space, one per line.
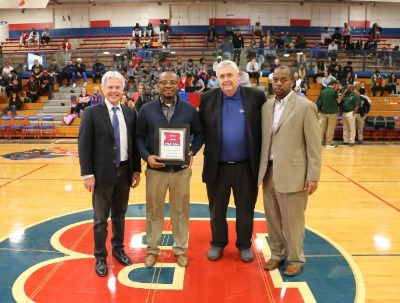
[172,143]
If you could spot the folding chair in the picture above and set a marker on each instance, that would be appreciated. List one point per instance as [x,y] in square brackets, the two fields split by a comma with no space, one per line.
[5,125]
[17,127]
[46,126]
[31,129]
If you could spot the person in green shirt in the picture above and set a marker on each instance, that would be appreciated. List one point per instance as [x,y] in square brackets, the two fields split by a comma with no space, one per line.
[328,107]
[351,103]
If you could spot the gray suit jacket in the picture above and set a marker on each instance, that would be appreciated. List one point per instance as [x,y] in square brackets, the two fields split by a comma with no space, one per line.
[296,142]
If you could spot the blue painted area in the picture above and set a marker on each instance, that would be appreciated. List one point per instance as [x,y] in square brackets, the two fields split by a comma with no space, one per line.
[153,275]
[326,272]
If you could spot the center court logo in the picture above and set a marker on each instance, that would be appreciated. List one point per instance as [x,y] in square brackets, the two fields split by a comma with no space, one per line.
[53,262]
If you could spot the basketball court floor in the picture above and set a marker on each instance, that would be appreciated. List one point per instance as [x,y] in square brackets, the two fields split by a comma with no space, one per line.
[352,241]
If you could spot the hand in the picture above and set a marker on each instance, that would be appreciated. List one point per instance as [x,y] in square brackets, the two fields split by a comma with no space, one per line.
[89,184]
[152,161]
[310,187]
[190,154]
[135,180]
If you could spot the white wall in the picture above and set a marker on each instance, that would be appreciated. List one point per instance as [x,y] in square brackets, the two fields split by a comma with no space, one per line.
[3,32]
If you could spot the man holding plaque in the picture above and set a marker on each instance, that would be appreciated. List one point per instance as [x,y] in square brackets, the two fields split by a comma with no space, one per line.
[162,136]
[231,116]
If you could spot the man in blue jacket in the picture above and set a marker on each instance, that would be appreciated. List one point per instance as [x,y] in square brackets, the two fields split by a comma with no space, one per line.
[167,109]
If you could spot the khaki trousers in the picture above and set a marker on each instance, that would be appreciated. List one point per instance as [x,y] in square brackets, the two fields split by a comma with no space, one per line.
[360,122]
[157,184]
[285,221]
[328,124]
[349,127]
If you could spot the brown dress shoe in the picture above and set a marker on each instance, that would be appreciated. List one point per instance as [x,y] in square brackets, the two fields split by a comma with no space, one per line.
[182,260]
[272,264]
[151,260]
[292,270]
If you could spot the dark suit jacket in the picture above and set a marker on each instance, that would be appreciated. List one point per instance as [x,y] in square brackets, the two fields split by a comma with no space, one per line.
[211,117]
[96,144]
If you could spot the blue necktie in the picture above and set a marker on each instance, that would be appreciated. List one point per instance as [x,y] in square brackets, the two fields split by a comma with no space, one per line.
[116,137]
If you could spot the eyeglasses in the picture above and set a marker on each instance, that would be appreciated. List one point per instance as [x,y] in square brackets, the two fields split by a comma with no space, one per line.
[170,82]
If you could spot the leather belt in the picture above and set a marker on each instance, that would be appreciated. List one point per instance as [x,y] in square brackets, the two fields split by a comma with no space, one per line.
[233,162]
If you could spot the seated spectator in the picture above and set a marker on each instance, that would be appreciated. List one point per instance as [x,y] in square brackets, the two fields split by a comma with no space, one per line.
[326,37]
[54,71]
[395,54]
[303,74]
[326,79]
[82,102]
[190,68]
[6,72]
[319,70]
[391,84]
[46,84]
[33,37]
[183,83]
[23,39]
[384,58]
[45,38]
[130,48]
[332,50]
[244,79]
[362,89]
[37,70]
[202,63]
[213,82]
[376,82]
[96,98]
[375,31]
[337,37]
[3,85]
[137,31]
[252,50]
[229,29]
[130,86]
[337,73]
[253,69]
[98,70]
[299,83]
[279,41]
[348,68]
[298,91]
[149,31]
[138,93]
[257,30]
[79,72]
[287,40]
[198,84]
[14,83]
[144,98]
[371,45]
[13,105]
[203,75]
[348,80]
[211,36]
[67,72]
[32,89]
[332,66]
[300,41]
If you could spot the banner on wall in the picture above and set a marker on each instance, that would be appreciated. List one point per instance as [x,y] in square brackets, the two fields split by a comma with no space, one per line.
[32,57]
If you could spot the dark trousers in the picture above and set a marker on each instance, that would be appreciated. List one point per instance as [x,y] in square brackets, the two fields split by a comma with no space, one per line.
[112,199]
[239,179]
[377,88]
[236,56]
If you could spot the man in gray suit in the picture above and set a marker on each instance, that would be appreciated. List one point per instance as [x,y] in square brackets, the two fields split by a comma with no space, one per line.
[110,166]
[290,166]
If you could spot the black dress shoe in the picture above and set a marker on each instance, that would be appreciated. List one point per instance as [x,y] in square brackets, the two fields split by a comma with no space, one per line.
[101,268]
[122,257]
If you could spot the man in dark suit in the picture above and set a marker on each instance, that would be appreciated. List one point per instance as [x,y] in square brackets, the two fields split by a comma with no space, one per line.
[231,117]
[109,166]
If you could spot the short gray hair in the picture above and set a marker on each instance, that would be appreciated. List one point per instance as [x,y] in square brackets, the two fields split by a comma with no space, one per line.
[227,63]
[112,75]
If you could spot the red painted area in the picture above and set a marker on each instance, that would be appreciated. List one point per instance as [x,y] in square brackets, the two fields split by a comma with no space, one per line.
[157,22]
[300,22]
[29,26]
[233,21]
[100,23]
[226,280]
[361,23]
[194,99]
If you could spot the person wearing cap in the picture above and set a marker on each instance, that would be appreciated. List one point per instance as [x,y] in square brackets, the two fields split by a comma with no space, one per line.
[32,89]
[79,72]
[219,59]
[46,83]
[351,103]
[376,82]
[14,84]
[67,73]
[328,109]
